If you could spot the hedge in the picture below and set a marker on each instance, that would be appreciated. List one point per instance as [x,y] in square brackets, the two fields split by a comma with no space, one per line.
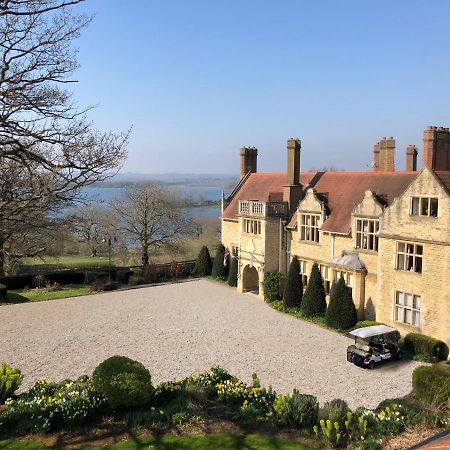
[420,344]
[273,286]
[431,384]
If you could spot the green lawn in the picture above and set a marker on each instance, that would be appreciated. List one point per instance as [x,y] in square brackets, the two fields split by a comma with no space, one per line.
[32,295]
[50,263]
[165,442]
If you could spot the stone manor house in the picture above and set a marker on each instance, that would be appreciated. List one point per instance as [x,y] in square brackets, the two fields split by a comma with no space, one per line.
[386,232]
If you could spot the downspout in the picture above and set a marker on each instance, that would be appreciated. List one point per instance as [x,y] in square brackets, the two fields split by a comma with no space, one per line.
[280,244]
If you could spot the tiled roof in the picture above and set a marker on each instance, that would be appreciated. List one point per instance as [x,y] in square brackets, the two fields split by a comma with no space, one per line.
[444,176]
[343,190]
[262,187]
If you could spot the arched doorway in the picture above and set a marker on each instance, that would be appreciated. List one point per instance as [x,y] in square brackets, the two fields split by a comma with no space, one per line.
[250,280]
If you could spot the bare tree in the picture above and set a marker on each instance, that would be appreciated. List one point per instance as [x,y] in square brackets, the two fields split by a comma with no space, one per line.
[151,217]
[49,150]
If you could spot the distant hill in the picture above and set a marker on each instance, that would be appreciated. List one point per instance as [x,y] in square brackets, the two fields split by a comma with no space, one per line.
[188,179]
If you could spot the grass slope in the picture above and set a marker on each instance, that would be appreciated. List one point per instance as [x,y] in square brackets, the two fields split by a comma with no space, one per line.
[34,295]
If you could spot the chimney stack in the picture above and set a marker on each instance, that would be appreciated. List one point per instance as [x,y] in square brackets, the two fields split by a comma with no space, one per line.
[292,191]
[249,158]
[386,155]
[436,148]
[411,158]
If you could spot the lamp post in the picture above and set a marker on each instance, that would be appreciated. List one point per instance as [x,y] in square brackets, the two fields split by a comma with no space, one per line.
[110,240]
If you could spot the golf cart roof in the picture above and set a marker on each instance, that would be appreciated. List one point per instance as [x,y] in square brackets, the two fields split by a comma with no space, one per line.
[368,332]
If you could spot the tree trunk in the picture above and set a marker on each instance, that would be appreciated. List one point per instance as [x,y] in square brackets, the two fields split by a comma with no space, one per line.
[2,260]
[145,258]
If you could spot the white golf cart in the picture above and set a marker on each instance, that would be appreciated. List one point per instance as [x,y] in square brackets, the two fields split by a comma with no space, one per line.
[373,345]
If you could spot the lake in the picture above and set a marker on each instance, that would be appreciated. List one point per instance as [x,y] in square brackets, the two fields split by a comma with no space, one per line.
[196,193]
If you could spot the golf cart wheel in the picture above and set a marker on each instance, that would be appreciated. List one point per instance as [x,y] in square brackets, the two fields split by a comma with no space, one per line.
[372,365]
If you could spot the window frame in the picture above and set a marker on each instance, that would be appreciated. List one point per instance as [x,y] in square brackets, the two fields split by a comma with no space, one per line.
[252,226]
[368,237]
[410,313]
[308,230]
[421,206]
[408,258]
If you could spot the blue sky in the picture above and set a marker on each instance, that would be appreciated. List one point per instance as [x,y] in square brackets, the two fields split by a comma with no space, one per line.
[198,79]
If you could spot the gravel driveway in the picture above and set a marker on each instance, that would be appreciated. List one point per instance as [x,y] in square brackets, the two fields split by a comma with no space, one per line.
[181,329]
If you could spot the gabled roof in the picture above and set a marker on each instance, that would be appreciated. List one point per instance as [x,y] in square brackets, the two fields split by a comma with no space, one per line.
[342,191]
[262,187]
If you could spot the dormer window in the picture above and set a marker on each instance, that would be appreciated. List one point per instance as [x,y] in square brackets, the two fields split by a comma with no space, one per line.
[309,227]
[424,206]
[367,234]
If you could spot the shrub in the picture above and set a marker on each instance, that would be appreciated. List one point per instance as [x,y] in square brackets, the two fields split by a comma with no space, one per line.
[92,277]
[52,406]
[175,269]
[420,344]
[135,280]
[313,302]
[3,293]
[232,275]
[219,270]
[123,382]
[293,291]
[123,275]
[10,381]
[39,281]
[104,286]
[297,410]
[335,410]
[150,275]
[273,286]
[341,312]
[203,265]
[431,385]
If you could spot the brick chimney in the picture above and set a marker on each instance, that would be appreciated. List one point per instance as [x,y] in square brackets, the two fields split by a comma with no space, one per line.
[436,148]
[384,153]
[249,157]
[292,191]
[411,158]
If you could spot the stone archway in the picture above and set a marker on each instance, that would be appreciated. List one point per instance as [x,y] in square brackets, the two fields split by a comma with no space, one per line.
[250,280]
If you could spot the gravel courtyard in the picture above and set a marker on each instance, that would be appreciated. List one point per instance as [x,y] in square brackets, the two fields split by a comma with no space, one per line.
[182,329]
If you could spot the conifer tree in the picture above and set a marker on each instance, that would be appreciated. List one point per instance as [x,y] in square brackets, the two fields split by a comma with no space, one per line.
[293,291]
[341,312]
[218,269]
[313,302]
[232,275]
[203,265]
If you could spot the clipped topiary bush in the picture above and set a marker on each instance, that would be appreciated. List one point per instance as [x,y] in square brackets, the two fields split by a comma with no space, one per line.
[219,270]
[273,285]
[420,344]
[3,293]
[135,280]
[10,381]
[293,291]
[431,385]
[313,302]
[366,323]
[203,265]
[232,275]
[341,312]
[123,382]
[39,281]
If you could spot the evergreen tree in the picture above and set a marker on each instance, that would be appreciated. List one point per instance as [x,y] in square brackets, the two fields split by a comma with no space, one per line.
[203,265]
[218,269]
[293,291]
[313,302]
[232,275]
[341,312]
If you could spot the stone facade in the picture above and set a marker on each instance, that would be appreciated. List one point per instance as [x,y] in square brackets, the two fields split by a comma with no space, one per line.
[387,233]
